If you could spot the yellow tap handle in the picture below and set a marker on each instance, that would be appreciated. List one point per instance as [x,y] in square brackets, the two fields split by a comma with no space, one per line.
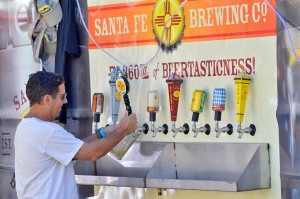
[242,82]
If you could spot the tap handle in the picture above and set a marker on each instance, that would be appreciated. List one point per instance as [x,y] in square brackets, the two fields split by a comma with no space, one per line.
[127,103]
[126,89]
[218,104]
[123,87]
[97,105]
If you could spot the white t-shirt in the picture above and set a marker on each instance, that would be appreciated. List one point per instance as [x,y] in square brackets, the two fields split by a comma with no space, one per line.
[43,160]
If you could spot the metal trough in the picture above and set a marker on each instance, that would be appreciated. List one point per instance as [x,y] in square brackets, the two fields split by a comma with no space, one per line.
[201,166]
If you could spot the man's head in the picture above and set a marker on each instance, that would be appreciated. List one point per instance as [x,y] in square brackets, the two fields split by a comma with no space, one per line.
[43,83]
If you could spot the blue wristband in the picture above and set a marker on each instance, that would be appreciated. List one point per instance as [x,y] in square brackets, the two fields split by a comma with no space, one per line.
[101,131]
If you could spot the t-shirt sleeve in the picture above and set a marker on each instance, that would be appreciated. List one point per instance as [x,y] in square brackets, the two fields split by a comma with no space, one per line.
[62,146]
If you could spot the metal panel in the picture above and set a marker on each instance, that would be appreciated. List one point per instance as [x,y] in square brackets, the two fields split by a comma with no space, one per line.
[13,100]
[4,30]
[20,16]
[212,166]
[110,180]
[8,184]
[130,171]
[201,166]
[136,163]
[16,64]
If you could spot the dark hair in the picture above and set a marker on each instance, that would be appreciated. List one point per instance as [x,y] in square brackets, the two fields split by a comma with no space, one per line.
[42,83]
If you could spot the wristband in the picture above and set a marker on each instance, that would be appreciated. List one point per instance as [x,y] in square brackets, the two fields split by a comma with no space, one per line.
[97,132]
[100,133]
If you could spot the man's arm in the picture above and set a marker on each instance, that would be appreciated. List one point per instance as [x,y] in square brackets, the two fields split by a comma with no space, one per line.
[90,138]
[93,137]
[92,150]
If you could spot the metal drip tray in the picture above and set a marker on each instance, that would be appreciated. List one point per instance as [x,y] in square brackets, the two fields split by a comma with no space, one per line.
[212,166]
[131,171]
[202,166]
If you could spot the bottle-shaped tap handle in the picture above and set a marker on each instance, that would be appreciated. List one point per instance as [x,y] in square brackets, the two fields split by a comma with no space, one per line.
[97,106]
[153,108]
[152,104]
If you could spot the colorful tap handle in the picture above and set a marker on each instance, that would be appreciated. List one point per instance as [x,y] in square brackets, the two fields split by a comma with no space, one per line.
[152,104]
[122,147]
[123,87]
[97,105]
[242,82]
[219,98]
[197,104]
[218,104]
[174,83]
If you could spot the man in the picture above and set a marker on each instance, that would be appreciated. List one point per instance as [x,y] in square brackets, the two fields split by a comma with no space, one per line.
[44,150]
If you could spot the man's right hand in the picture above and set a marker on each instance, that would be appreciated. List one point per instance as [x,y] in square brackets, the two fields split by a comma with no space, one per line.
[128,123]
[114,133]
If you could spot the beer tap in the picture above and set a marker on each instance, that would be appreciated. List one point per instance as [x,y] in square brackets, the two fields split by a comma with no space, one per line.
[123,146]
[174,82]
[218,105]
[97,108]
[242,81]
[153,108]
[197,107]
